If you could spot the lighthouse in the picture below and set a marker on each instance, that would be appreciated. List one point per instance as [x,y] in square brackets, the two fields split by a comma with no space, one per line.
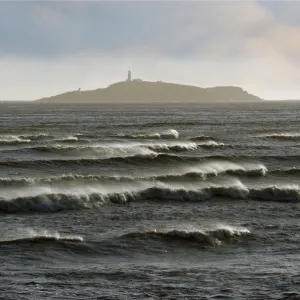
[129,76]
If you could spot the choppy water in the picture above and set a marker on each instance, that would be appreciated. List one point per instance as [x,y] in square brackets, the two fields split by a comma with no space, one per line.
[150,202]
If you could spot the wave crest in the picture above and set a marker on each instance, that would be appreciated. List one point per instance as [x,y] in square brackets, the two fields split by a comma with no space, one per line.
[212,144]
[50,203]
[13,140]
[166,134]
[276,193]
[285,136]
[54,202]
[40,237]
[70,138]
[212,237]
[292,171]
[176,147]
[93,198]
[104,151]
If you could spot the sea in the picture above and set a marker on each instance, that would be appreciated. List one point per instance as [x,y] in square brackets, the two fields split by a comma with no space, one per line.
[150,201]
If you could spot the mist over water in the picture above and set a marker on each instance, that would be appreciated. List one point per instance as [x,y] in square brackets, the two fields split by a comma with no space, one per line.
[150,202]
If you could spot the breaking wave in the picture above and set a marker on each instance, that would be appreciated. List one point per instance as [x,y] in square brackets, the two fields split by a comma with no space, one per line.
[185,146]
[166,134]
[13,139]
[37,136]
[60,161]
[284,172]
[43,200]
[110,150]
[28,138]
[276,193]
[95,151]
[283,136]
[212,144]
[53,202]
[202,170]
[176,147]
[210,237]
[63,179]
[210,165]
[58,202]
[40,237]
[70,138]
[215,168]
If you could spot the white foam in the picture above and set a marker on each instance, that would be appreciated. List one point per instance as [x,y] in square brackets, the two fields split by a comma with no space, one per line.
[99,150]
[34,234]
[172,145]
[216,168]
[170,133]
[69,138]
[13,138]
[210,143]
[281,135]
[214,236]
[48,199]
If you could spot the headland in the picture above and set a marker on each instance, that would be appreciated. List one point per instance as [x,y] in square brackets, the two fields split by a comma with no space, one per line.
[138,91]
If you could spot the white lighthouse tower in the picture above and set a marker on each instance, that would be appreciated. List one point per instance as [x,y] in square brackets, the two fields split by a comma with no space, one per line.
[129,76]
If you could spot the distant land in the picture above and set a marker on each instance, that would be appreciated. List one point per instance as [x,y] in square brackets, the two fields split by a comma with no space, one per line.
[153,92]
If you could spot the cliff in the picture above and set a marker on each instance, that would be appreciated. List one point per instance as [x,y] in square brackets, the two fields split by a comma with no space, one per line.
[160,92]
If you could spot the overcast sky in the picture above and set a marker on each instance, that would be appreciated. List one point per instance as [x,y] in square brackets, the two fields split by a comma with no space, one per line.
[49,47]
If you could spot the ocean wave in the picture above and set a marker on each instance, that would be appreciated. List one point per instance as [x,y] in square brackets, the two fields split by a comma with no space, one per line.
[53,202]
[185,145]
[104,151]
[113,149]
[62,179]
[284,172]
[166,134]
[285,136]
[40,237]
[212,144]
[70,138]
[200,170]
[89,161]
[22,138]
[160,124]
[175,147]
[28,138]
[43,200]
[218,167]
[201,166]
[203,175]
[13,139]
[209,237]
[276,193]
[58,202]
[36,136]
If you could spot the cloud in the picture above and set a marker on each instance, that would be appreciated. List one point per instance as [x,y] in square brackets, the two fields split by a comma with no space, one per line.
[50,47]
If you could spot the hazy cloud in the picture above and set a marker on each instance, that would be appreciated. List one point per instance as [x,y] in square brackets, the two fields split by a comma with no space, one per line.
[50,47]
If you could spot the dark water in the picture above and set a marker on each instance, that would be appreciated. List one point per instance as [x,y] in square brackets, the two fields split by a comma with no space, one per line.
[150,202]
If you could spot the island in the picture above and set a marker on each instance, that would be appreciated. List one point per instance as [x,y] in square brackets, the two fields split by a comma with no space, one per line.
[138,91]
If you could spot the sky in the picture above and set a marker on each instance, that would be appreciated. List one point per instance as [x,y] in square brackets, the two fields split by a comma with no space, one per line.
[50,47]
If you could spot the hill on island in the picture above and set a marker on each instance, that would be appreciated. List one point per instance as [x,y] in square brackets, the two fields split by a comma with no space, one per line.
[153,92]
